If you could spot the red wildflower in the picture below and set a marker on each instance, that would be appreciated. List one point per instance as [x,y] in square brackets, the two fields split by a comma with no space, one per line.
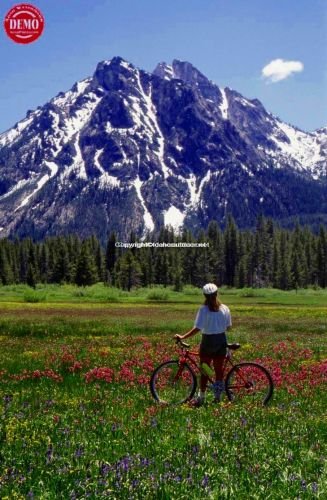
[102,373]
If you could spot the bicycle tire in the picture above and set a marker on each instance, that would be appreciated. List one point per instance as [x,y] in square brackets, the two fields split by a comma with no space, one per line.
[156,390]
[234,392]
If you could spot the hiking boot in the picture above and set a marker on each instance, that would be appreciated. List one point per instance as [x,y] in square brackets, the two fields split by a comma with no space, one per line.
[198,401]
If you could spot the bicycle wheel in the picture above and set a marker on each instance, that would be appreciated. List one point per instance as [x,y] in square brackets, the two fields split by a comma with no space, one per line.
[172,383]
[249,381]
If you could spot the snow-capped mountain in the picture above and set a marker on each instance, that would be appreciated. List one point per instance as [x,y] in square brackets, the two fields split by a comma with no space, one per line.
[131,150]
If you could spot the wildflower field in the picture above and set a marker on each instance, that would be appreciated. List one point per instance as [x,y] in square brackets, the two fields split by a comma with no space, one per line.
[77,419]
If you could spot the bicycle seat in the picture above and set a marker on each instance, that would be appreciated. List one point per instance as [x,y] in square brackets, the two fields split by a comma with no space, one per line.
[233,347]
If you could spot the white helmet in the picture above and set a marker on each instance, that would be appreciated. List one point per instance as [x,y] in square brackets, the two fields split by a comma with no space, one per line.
[209,288]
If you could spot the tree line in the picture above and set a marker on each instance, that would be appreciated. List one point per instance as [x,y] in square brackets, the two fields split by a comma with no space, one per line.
[268,256]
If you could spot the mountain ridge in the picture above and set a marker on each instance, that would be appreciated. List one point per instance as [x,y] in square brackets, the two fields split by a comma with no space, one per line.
[127,150]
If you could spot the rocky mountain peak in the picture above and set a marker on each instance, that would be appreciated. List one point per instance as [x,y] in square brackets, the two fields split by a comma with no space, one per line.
[183,70]
[113,74]
[187,72]
[164,70]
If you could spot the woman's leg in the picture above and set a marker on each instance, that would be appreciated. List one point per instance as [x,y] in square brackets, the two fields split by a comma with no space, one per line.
[218,365]
[204,358]
[218,386]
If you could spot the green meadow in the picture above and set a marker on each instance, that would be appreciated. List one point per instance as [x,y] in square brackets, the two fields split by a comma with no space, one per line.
[76,415]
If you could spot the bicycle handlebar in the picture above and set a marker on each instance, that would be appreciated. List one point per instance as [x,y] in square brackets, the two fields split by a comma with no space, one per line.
[232,347]
[179,341]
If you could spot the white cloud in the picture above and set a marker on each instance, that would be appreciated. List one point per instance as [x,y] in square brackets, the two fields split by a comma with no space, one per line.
[278,70]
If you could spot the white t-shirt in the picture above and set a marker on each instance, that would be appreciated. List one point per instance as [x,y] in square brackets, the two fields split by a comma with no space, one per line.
[211,322]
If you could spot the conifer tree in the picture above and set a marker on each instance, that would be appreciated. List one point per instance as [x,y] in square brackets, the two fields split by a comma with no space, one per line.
[284,276]
[6,274]
[177,271]
[216,252]
[230,244]
[298,262]
[162,267]
[100,263]
[276,262]
[188,258]
[129,272]
[31,279]
[23,260]
[322,257]
[62,272]
[86,270]
[111,256]
[202,270]
[44,263]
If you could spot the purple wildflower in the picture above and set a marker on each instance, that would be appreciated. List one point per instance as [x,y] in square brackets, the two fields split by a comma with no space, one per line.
[145,462]
[205,481]
[104,470]
[48,403]
[79,452]
[7,399]
[49,454]
[314,487]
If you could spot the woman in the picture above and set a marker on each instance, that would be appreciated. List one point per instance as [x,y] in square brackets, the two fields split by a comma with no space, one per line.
[213,319]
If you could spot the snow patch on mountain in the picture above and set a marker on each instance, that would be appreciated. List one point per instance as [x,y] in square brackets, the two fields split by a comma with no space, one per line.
[303,147]
[53,167]
[105,178]
[14,133]
[224,105]
[244,102]
[81,116]
[174,217]
[191,182]
[41,182]
[79,165]
[247,170]
[195,193]
[64,99]
[147,217]
[151,117]
[20,184]
[164,70]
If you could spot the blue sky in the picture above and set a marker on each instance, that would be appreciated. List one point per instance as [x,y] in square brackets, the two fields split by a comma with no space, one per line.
[230,41]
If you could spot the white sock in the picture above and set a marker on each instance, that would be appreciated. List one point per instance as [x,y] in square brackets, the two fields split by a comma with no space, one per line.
[202,395]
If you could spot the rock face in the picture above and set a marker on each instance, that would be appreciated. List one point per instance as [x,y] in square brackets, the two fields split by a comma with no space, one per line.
[131,150]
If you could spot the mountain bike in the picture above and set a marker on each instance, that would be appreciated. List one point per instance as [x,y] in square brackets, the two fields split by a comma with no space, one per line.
[175,382]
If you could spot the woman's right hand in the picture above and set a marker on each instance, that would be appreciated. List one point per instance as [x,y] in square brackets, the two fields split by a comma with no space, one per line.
[178,337]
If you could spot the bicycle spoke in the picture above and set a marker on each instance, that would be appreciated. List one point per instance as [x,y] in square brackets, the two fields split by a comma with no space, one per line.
[249,381]
[173,384]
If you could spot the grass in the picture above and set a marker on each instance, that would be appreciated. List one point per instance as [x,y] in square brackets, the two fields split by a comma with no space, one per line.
[102,294]
[61,437]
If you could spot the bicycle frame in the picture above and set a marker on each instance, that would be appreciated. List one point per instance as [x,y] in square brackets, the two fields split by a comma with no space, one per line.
[186,357]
